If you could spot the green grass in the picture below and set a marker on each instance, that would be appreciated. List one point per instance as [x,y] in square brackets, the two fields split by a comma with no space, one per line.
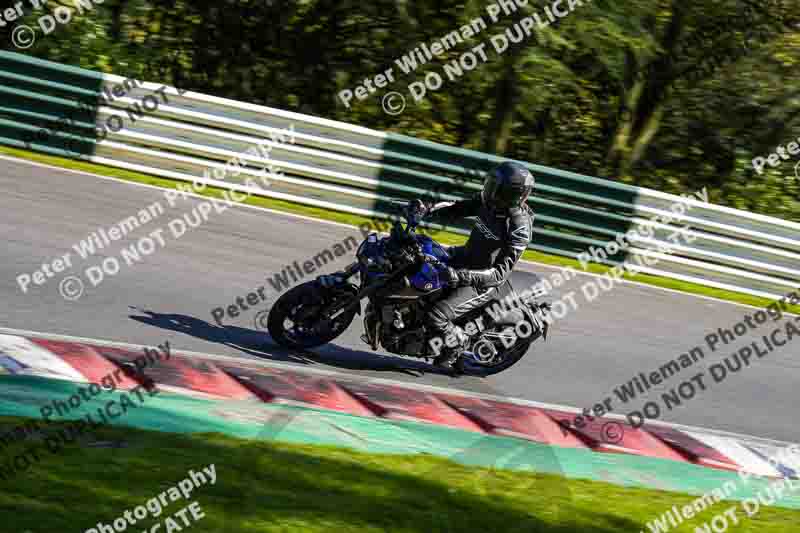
[356,220]
[275,487]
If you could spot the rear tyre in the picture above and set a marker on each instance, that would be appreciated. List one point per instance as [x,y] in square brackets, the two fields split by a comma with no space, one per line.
[482,364]
[296,321]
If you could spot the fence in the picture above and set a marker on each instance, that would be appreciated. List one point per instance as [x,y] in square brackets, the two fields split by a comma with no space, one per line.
[348,168]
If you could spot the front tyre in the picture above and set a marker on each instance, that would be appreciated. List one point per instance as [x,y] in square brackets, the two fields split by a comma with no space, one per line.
[297,320]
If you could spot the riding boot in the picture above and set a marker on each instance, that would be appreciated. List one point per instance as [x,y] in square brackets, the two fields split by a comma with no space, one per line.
[451,360]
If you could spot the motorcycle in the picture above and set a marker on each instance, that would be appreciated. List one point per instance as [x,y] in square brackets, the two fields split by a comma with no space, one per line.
[401,276]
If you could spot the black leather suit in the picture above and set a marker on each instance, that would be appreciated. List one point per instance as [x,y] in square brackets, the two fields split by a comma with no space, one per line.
[495,245]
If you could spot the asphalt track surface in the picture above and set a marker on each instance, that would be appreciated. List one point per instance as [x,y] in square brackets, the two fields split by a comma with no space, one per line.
[169,295]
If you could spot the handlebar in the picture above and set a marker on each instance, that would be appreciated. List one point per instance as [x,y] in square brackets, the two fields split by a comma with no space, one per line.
[409,212]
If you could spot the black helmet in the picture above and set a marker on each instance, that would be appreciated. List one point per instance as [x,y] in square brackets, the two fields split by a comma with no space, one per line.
[507,186]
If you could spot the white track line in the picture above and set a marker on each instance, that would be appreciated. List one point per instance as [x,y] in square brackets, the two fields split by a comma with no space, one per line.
[342,225]
[385,381]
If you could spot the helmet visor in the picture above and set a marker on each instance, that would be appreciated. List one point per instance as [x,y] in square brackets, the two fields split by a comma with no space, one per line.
[500,193]
[505,197]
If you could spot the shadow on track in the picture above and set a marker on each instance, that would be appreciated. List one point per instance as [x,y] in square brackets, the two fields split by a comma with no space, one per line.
[260,344]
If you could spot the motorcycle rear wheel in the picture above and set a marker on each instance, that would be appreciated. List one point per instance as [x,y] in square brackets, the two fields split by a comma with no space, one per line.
[506,358]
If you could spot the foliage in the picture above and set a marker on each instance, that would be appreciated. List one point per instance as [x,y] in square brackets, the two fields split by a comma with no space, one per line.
[668,94]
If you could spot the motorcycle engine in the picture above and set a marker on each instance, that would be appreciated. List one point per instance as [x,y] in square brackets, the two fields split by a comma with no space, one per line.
[402,331]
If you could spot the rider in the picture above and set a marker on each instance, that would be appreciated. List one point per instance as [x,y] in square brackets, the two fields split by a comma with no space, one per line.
[501,233]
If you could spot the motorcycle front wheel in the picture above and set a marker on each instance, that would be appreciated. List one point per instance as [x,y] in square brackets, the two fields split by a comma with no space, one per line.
[295,321]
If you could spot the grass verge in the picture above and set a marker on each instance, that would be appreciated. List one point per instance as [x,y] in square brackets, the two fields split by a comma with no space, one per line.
[276,487]
[356,220]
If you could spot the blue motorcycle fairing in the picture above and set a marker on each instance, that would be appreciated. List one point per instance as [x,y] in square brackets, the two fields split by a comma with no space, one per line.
[428,278]
[372,250]
[431,247]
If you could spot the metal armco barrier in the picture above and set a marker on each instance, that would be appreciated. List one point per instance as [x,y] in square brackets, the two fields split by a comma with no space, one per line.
[348,168]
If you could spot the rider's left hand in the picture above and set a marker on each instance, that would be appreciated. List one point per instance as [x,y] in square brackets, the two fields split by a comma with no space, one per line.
[418,209]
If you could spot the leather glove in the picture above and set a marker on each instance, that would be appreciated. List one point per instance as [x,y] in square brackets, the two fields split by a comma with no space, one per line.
[458,278]
[418,209]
